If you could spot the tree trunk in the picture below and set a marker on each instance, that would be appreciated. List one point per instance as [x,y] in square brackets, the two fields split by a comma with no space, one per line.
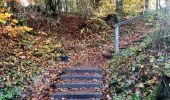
[157,5]
[66,9]
[119,9]
[146,5]
[59,4]
[85,11]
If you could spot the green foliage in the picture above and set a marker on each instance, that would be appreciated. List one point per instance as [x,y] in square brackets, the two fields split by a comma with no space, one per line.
[124,53]
[140,58]
[152,95]
[167,70]
[32,33]
[8,92]
[96,7]
[119,98]
[16,77]
[101,22]
[147,40]
[37,53]
[115,77]
[133,50]
[131,61]
[133,7]
[106,7]
[134,96]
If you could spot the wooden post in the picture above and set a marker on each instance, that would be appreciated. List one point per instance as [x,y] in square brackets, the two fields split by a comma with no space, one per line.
[116,39]
[116,26]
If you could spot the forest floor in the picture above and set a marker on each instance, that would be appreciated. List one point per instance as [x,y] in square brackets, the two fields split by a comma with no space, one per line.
[32,63]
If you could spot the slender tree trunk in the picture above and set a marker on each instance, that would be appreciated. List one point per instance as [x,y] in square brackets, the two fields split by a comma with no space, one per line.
[59,6]
[82,9]
[72,6]
[146,6]
[55,6]
[85,11]
[75,6]
[157,5]
[119,9]
[66,7]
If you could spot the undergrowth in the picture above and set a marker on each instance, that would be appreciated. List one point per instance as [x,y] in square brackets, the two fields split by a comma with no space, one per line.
[135,74]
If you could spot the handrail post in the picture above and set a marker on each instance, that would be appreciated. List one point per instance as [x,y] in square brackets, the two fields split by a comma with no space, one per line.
[116,39]
[116,31]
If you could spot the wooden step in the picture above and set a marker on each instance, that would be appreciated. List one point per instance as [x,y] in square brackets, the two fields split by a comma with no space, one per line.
[81,77]
[90,70]
[78,85]
[77,95]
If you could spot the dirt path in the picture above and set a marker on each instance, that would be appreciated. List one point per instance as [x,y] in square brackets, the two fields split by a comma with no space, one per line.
[91,56]
[88,57]
[96,56]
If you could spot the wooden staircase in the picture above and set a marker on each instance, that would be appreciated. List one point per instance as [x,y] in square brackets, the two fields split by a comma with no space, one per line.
[79,83]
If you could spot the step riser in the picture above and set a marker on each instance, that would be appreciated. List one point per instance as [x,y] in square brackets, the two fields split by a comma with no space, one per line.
[85,82]
[78,85]
[77,96]
[81,71]
[80,77]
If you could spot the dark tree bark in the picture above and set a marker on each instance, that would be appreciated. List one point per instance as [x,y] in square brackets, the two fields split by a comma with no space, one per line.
[59,5]
[157,4]
[50,6]
[85,10]
[146,5]
[119,9]
[66,8]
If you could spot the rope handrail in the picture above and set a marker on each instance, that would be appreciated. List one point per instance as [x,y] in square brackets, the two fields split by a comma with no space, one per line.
[128,21]
[136,18]
[116,26]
